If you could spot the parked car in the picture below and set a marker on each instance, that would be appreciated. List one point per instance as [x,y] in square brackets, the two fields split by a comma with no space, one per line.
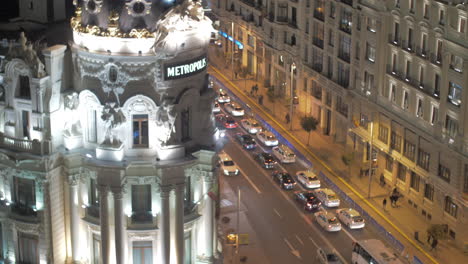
[267,138]
[225,121]
[223,97]
[251,125]
[284,179]
[246,141]
[328,197]
[351,218]
[308,179]
[327,256]
[234,109]
[216,108]
[284,154]
[307,199]
[227,164]
[265,160]
[327,220]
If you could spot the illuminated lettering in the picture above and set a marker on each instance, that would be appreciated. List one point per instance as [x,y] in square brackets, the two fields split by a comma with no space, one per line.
[186,69]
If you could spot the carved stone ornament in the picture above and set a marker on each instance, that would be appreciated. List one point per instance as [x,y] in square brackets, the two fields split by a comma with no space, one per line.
[33,229]
[138,8]
[113,118]
[165,120]
[93,6]
[27,52]
[72,125]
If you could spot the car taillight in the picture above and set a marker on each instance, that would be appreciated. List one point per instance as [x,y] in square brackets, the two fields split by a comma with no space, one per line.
[329,226]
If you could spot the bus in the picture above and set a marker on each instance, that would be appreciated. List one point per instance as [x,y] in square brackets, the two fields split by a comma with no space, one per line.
[373,251]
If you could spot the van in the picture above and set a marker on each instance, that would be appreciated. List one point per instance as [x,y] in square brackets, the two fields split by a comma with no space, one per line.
[284,154]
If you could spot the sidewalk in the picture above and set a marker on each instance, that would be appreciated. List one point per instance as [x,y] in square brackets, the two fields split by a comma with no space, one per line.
[250,253]
[326,151]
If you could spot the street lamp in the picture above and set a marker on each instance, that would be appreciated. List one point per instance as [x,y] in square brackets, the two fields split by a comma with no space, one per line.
[232,49]
[370,157]
[293,67]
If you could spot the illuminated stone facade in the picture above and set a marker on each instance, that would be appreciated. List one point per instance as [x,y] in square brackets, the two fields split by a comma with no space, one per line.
[103,159]
[396,69]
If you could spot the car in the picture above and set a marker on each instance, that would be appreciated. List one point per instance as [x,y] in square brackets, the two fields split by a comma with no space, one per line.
[328,221]
[327,256]
[328,197]
[308,199]
[227,164]
[351,218]
[216,108]
[223,97]
[251,125]
[246,141]
[225,121]
[284,179]
[267,138]
[234,109]
[308,179]
[265,160]
[283,154]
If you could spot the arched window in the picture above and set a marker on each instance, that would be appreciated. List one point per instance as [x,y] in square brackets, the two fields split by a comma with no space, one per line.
[24,90]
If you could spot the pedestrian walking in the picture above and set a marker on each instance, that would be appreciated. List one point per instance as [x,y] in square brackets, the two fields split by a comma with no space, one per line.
[396,199]
[235,74]
[382,180]
[288,118]
[434,244]
[384,203]
[392,200]
[260,100]
[429,238]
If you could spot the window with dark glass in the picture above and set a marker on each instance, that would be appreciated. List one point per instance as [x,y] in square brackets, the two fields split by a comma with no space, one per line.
[429,191]
[401,173]
[404,103]
[383,133]
[414,181]
[444,172]
[451,126]
[388,163]
[24,196]
[316,90]
[317,39]
[409,150]
[456,63]
[329,67]
[332,10]
[419,108]
[436,85]
[370,52]
[346,20]
[25,90]
[434,115]
[25,123]
[344,48]
[140,130]
[317,60]
[424,159]
[421,77]
[395,141]
[28,248]
[396,32]
[450,206]
[141,203]
[93,198]
[343,75]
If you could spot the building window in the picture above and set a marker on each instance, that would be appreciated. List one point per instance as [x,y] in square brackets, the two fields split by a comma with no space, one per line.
[419,108]
[424,159]
[370,52]
[306,53]
[358,23]
[346,20]
[332,10]
[414,181]
[424,44]
[436,85]
[396,33]
[395,141]
[383,133]
[439,51]
[461,25]
[93,199]
[142,252]
[343,75]
[388,163]
[401,173]
[331,38]
[317,60]
[451,126]
[317,39]
[250,40]
[25,123]
[28,248]
[368,81]
[25,90]
[392,93]
[421,77]
[397,3]
[456,63]
[344,48]
[434,115]
[371,24]
[429,191]
[408,70]
[96,257]
[185,118]
[316,90]
[426,11]
[357,51]
[410,39]
[307,26]
[450,207]
[328,98]
[441,17]
[318,11]
[141,203]
[92,125]
[404,101]
[444,173]
[140,131]
[409,150]
[24,196]
[330,67]
[364,121]
[411,6]
[341,106]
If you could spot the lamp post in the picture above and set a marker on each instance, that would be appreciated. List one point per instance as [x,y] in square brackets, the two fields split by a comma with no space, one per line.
[293,67]
[232,49]
[370,158]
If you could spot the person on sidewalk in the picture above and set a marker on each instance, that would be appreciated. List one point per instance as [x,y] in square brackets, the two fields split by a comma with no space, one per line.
[392,200]
[429,238]
[384,204]
[260,100]
[382,180]
[434,244]
[288,118]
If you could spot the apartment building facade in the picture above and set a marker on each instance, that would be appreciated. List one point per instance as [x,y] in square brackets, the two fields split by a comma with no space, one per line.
[395,70]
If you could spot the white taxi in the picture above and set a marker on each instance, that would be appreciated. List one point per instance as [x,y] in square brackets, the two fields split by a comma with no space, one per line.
[227,164]
[328,197]
[251,125]
[267,138]
[351,218]
[308,179]
[234,109]
[328,221]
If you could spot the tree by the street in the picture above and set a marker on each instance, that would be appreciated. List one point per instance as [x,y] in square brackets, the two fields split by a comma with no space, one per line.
[437,231]
[348,159]
[272,97]
[309,124]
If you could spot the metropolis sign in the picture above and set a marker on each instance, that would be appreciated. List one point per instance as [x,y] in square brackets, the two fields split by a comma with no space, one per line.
[185,69]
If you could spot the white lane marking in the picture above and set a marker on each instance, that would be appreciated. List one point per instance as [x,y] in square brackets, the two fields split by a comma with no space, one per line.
[277,212]
[294,251]
[299,239]
[250,181]
[313,242]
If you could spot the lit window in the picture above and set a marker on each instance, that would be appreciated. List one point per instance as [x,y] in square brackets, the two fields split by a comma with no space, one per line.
[455,94]
[370,53]
[140,131]
[371,24]
[456,63]
[450,207]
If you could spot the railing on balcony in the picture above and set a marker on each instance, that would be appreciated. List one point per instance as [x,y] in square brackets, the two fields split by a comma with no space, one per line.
[348,2]
[345,27]
[394,40]
[319,15]
[317,42]
[436,59]
[142,217]
[282,19]
[93,210]
[409,46]
[344,56]
[422,53]
[24,145]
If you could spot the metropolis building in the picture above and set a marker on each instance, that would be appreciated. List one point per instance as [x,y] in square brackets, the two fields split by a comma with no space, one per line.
[391,74]
[107,144]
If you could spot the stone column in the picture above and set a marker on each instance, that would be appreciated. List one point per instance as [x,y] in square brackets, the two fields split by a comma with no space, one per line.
[120,230]
[179,222]
[74,217]
[208,217]
[47,221]
[104,223]
[165,226]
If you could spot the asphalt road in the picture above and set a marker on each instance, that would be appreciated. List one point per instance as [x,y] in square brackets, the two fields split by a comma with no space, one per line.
[286,232]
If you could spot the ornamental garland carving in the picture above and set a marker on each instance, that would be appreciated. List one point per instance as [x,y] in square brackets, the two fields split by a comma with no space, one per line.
[93,6]
[138,8]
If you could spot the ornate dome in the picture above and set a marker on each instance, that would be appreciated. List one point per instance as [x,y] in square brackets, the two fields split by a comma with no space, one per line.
[140,15]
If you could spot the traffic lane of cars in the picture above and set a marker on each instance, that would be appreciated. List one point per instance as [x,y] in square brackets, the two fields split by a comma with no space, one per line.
[273,217]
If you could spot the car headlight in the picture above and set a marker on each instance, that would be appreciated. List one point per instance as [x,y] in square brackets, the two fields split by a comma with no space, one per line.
[226,171]
[237,171]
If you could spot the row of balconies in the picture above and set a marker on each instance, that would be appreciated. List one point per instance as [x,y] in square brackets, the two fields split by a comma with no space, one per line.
[411,81]
[434,58]
[25,145]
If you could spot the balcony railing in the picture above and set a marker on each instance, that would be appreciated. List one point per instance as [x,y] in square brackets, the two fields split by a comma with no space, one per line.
[348,2]
[23,210]
[422,53]
[317,42]
[394,40]
[142,217]
[344,56]
[282,19]
[25,145]
[319,15]
[436,59]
